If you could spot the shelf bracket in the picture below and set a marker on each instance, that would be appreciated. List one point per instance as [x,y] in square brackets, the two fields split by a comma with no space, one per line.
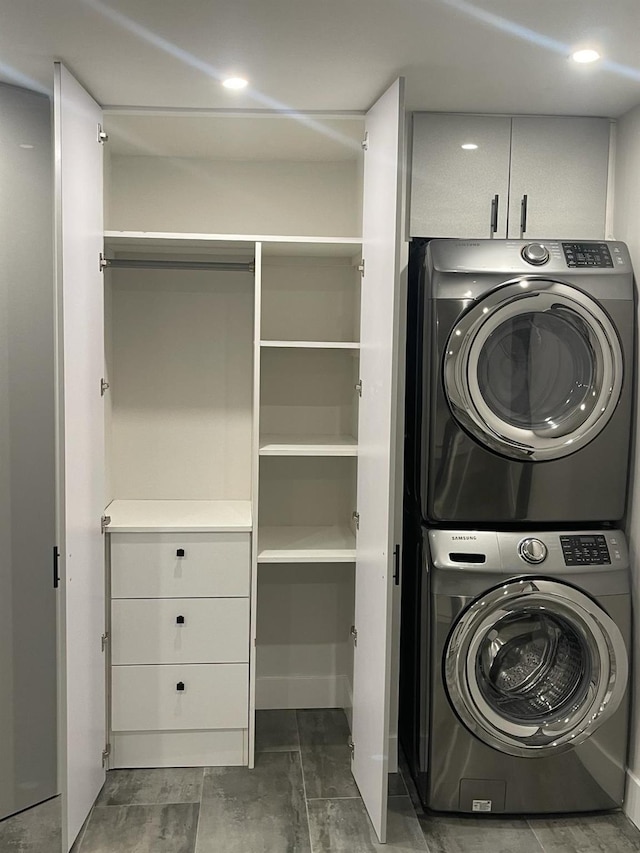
[105,521]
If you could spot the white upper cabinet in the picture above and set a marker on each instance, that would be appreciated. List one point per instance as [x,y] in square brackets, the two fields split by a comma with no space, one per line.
[558,185]
[457,191]
[494,176]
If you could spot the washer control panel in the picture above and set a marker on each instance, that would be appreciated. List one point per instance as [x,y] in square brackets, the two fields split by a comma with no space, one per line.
[585,550]
[587,255]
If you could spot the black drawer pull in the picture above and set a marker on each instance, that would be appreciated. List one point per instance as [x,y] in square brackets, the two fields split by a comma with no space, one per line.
[180,687]
[180,552]
[180,620]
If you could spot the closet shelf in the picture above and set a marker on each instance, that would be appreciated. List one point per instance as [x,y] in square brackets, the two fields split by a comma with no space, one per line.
[272,244]
[306,545]
[308,445]
[128,516]
[312,344]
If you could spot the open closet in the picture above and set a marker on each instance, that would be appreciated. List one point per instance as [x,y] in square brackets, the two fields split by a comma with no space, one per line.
[229,341]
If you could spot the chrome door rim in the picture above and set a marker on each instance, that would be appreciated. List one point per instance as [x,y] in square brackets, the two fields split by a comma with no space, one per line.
[470,335]
[559,733]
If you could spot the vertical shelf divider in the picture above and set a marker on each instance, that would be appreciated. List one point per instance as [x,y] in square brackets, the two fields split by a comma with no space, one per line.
[255,480]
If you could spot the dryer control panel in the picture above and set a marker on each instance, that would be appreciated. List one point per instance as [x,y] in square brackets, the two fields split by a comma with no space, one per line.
[585,550]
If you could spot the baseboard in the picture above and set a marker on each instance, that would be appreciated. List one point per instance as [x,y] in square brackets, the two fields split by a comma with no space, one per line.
[632,798]
[296,691]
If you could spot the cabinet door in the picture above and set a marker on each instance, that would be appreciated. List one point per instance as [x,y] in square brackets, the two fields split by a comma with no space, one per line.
[79,233]
[456,191]
[383,172]
[561,165]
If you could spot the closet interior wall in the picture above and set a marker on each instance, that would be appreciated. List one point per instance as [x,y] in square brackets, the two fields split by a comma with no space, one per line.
[204,390]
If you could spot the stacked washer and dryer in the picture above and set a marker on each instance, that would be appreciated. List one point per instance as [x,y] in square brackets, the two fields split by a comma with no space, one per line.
[516,608]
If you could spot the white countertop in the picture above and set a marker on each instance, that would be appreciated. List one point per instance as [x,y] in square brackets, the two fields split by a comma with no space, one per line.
[179,516]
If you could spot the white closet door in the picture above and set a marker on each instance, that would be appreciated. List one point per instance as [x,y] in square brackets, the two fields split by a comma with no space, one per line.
[79,231]
[383,172]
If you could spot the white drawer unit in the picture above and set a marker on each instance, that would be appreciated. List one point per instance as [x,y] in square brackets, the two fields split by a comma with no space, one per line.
[180,623]
[180,630]
[170,565]
[175,698]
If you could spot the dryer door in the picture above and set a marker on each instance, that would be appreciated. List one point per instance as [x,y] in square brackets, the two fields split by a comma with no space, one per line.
[534,666]
[534,369]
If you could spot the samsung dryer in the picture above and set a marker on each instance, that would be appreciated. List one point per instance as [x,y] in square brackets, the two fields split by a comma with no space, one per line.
[527,689]
[528,382]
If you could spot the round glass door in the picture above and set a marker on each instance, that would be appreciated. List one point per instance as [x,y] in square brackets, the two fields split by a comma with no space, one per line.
[534,370]
[535,666]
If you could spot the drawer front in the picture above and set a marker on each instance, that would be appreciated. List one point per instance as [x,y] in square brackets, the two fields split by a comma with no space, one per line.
[147,698]
[149,566]
[179,630]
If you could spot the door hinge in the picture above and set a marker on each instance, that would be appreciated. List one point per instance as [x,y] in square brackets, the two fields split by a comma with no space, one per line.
[354,635]
[103,262]
[104,640]
[352,748]
[361,268]
[355,515]
[358,387]
[104,387]
[105,521]
[102,135]
[365,142]
[106,752]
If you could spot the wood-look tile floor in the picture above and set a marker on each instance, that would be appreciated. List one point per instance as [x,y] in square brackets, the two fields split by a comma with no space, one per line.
[301,798]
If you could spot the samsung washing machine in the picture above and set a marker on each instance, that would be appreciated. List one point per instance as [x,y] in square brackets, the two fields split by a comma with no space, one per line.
[525,696]
[527,382]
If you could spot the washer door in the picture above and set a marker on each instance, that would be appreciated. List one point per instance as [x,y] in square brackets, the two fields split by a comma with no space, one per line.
[534,370]
[534,667]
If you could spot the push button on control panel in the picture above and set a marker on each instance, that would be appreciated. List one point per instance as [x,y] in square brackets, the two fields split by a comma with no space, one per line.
[585,550]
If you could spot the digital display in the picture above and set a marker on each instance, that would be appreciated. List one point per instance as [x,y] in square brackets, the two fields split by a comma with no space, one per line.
[587,255]
[587,540]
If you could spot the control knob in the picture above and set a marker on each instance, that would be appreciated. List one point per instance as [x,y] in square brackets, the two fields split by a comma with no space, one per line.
[532,550]
[536,254]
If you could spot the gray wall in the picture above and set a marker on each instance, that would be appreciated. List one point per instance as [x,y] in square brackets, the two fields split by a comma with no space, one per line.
[626,227]
[28,772]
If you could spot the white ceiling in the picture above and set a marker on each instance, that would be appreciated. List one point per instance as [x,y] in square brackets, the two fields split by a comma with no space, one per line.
[457,55]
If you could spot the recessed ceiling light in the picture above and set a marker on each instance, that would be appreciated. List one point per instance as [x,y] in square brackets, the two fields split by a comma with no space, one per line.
[469,146]
[586,55]
[235,83]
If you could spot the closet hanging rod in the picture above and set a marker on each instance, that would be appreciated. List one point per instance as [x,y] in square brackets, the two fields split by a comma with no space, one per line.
[140,264]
